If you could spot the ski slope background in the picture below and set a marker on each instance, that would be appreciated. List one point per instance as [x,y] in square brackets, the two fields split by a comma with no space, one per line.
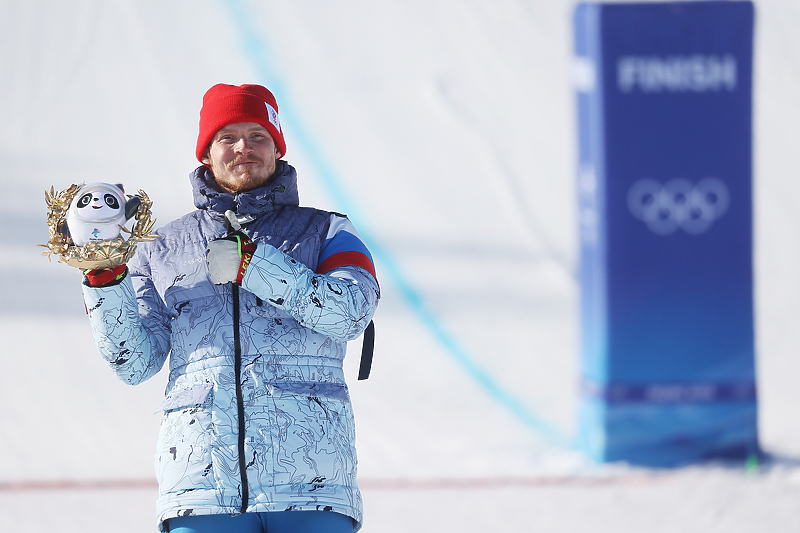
[446,130]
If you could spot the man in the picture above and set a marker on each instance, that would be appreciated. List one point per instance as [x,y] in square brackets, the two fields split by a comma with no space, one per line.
[253,299]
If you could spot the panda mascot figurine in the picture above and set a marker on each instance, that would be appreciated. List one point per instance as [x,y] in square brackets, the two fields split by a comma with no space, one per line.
[98,212]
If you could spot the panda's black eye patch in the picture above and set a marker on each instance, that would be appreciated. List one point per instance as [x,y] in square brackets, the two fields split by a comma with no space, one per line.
[85,200]
[111,201]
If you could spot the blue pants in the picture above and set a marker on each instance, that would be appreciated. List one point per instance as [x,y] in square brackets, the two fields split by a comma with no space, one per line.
[274,522]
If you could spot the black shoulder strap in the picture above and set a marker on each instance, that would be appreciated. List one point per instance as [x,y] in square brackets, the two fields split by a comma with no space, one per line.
[366,351]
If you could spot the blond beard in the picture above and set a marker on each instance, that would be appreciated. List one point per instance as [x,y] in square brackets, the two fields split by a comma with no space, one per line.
[246,180]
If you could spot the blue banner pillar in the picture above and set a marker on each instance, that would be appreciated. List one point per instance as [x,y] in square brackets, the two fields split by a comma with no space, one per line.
[664,96]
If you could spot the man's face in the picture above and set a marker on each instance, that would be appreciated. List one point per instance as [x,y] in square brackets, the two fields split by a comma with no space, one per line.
[242,156]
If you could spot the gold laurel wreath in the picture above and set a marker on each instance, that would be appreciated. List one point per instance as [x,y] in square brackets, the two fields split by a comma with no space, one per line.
[94,254]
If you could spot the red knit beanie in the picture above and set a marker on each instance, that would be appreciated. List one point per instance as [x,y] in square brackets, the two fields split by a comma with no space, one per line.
[227,104]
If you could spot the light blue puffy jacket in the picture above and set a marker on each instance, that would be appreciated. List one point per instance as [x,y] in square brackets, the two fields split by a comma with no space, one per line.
[266,356]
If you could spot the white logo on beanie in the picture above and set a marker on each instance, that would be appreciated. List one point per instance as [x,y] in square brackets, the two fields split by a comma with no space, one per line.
[273,116]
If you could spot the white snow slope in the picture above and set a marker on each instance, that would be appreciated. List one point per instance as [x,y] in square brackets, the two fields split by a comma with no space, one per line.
[446,130]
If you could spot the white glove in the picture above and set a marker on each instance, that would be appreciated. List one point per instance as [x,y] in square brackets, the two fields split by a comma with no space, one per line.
[229,257]
[223,260]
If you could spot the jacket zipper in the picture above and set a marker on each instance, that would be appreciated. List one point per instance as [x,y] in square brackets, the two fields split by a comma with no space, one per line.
[239,397]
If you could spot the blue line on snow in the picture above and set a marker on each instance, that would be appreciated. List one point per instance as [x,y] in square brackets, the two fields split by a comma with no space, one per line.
[256,49]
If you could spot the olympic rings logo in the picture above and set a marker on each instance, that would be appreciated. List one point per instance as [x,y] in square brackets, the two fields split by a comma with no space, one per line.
[678,204]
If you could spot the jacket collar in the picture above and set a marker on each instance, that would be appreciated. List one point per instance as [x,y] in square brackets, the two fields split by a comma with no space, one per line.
[280,190]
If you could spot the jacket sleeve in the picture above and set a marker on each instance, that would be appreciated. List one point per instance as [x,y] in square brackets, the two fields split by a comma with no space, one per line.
[127,331]
[338,304]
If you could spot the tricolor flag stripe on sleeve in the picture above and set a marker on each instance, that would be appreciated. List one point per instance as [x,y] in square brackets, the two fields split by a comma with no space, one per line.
[344,247]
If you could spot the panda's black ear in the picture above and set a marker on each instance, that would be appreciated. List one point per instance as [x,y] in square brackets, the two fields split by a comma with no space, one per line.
[131,206]
[120,187]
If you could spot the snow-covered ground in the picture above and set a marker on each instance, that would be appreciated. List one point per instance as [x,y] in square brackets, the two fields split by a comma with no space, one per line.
[445,129]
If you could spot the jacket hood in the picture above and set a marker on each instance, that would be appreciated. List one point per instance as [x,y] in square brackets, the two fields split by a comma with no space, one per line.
[280,190]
